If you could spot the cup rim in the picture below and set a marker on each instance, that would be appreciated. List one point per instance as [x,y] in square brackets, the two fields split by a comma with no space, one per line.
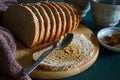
[95,1]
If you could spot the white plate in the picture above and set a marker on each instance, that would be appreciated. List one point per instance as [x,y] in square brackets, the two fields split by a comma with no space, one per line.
[106,31]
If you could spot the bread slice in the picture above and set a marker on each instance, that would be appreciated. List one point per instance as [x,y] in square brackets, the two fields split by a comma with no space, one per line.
[70,13]
[52,21]
[78,13]
[68,16]
[57,17]
[23,23]
[74,16]
[63,17]
[46,21]
[41,22]
[70,57]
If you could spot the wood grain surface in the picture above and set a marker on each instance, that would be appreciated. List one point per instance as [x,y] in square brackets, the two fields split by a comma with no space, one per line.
[24,57]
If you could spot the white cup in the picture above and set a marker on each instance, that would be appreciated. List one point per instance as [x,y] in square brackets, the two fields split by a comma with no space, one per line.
[105,12]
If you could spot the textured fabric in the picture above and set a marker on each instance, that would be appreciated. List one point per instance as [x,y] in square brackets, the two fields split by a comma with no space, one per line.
[9,68]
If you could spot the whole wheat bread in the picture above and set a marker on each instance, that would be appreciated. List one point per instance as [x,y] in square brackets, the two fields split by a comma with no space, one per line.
[42,22]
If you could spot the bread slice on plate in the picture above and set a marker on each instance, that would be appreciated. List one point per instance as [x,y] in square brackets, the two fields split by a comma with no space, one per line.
[57,17]
[52,21]
[24,24]
[63,17]
[68,16]
[46,21]
[70,57]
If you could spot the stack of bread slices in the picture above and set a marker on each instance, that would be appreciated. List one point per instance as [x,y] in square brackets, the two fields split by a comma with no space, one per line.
[38,23]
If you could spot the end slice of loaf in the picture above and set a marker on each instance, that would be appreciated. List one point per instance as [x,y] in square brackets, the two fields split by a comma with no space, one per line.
[70,57]
[24,24]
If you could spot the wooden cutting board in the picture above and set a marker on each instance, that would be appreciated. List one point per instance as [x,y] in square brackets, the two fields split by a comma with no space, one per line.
[24,57]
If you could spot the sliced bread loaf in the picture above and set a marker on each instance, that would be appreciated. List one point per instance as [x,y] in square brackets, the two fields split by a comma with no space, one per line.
[42,22]
[23,23]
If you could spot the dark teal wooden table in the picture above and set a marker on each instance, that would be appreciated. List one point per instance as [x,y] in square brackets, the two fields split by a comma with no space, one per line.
[107,65]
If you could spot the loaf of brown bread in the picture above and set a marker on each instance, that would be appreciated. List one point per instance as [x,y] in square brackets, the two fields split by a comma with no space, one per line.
[42,22]
[23,23]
